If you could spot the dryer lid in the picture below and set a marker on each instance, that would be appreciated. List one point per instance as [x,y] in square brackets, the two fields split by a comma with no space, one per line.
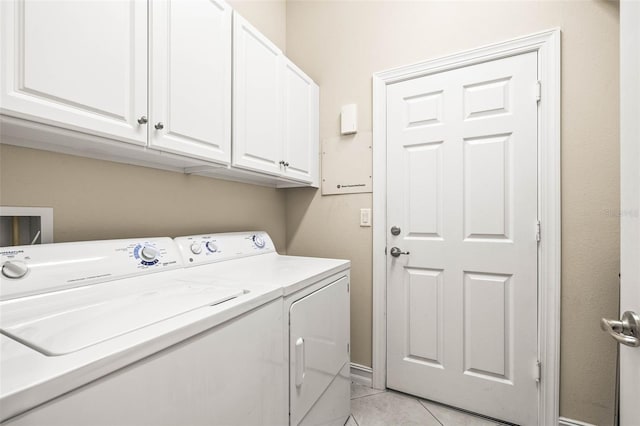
[66,321]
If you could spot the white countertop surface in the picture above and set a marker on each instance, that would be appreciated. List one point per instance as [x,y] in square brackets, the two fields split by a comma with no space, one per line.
[292,273]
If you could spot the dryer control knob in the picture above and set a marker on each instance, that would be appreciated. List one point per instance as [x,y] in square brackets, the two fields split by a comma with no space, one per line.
[258,241]
[149,253]
[196,248]
[212,247]
[14,269]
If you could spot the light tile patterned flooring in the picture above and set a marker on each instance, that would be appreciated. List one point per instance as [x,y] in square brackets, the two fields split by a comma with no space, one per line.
[372,407]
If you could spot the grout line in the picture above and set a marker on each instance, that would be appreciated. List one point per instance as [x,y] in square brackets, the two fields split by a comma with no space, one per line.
[429,411]
[365,396]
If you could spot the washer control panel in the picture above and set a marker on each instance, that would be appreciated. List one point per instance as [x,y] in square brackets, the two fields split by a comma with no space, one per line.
[209,248]
[26,270]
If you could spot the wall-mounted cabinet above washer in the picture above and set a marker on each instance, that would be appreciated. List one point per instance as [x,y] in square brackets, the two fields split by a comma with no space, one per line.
[301,113]
[76,65]
[190,78]
[257,95]
[275,110]
[150,83]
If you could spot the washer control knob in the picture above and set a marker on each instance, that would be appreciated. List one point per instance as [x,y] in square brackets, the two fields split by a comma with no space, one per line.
[14,269]
[258,241]
[149,253]
[212,247]
[196,248]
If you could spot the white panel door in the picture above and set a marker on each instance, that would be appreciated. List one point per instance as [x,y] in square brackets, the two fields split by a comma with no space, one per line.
[318,345]
[630,203]
[257,100]
[462,188]
[80,65]
[190,78]
[300,112]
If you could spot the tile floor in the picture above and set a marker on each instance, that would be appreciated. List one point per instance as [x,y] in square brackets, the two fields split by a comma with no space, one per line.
[372,407]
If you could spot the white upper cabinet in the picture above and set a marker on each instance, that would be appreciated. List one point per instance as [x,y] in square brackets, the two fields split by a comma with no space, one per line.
[188,84]
[257,97]
[190,78]
[300,124]
[79,65]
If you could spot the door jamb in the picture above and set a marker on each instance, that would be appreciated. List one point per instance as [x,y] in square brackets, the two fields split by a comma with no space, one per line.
[547,45]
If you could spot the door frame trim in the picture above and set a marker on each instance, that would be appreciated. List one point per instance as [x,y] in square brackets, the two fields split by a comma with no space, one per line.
[547,45]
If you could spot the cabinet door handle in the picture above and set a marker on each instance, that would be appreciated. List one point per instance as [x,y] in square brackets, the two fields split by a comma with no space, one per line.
[142,120]
[159,125]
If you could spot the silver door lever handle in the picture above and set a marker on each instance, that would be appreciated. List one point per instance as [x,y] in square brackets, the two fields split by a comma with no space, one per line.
[396,252]
[626,331]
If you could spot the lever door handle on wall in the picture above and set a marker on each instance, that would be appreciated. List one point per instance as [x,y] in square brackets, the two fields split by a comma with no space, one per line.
[300,361]
[626,331]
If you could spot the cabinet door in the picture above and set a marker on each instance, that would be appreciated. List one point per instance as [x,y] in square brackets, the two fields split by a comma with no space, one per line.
[190,78]
[80,65]
[257,100]
[300,114]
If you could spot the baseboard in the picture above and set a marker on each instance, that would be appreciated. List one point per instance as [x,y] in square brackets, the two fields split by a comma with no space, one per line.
[361,374]
[563,421]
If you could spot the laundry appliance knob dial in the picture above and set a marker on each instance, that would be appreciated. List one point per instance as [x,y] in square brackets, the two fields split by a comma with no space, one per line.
[14,269]
[258,241]
[149,253]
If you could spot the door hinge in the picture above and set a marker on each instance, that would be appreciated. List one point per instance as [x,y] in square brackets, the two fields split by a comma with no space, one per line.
[348,284]
[538,372]
[385,251]
[348,348]
[538,235]
[538,91]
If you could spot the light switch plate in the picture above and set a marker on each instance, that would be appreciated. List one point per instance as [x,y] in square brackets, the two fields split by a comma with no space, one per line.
[365,217]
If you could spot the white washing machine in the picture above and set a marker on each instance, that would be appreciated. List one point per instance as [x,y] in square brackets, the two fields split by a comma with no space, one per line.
[113,332]
[315,305]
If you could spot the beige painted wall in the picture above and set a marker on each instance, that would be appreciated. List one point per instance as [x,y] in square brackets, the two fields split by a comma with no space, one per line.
[268,16]
[94,199]
[99,199]
[341,43]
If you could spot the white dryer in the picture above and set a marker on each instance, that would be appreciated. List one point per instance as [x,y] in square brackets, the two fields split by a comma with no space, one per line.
[112,332]
[315,304]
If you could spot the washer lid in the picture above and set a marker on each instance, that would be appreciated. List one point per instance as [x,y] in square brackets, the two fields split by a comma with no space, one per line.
[67,321]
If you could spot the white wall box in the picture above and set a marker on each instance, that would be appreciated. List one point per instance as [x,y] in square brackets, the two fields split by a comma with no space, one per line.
[25,225]
[75,77]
